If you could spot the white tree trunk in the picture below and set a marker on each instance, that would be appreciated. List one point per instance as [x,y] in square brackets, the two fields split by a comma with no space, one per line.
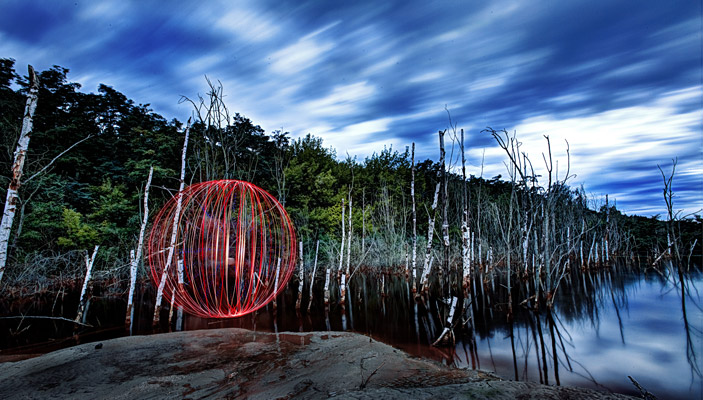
[407,263]
[134,260]
[314,271]
[430,234]
[465,250]
[132,284]
[170,309]
[301,277]
[525,245]
[172,247]
[473,255]
[275,284]
[342,286]
[450,319]
[412,195]
[445,198]
[426,274]
[327,285]
[89,270]
[349,239]
[465,234]
[8,215]
[605,251]
[363,220]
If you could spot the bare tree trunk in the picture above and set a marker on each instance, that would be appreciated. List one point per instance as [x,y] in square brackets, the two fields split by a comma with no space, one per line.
[343,284]
[430,234]
[349,239]
[301,277]
[275,285]
[412,194]
[8,215]
[89,269]
[327,285]
[170,310]
[465,234]
[607,231]
[597,255]
[448,323]
[545,238]
[314,271]
[431,218]
[568,246]
[426,275]
[525,243]
[134,260]
[407,263]
[176,215]
[445,205]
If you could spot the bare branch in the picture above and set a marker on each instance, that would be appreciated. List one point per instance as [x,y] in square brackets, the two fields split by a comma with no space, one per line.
[56,158]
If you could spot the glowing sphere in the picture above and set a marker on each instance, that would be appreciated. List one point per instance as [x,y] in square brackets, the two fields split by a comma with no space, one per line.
[234,248]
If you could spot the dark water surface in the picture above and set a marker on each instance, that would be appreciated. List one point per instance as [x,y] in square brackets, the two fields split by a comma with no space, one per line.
[605,326]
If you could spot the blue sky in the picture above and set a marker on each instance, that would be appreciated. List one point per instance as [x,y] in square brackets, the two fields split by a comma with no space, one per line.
[620,80]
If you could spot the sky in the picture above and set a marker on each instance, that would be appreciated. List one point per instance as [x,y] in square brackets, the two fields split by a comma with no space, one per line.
[621,81]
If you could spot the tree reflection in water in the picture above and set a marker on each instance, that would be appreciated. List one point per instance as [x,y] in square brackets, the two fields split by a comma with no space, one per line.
[605,325]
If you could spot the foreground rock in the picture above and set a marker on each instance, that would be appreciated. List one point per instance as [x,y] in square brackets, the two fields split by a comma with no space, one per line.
[236,363]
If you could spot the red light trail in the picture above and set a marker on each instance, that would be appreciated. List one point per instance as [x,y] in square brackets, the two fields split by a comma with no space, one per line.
[234,248]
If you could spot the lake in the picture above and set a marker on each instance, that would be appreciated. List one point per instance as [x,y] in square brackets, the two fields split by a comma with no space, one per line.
[605,325]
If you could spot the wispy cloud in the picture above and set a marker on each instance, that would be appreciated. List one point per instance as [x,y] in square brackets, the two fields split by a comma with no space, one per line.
[620,81]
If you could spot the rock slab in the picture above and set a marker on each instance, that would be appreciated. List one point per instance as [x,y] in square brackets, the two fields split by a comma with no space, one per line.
[237,363]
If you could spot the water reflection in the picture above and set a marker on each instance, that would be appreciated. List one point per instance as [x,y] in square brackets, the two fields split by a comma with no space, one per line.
[605,325]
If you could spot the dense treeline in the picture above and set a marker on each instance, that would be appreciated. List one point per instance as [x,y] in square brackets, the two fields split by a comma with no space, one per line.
[92,193]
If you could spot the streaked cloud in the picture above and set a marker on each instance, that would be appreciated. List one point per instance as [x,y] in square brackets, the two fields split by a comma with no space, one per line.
[620,82]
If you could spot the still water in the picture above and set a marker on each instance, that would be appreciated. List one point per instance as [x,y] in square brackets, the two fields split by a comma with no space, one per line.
[605,326]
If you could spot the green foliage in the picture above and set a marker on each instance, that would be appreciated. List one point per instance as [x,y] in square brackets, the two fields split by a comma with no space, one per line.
[77,234]
[92,194]
[111,212]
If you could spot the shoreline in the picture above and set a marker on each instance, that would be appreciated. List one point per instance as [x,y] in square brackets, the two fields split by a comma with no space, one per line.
[238,363]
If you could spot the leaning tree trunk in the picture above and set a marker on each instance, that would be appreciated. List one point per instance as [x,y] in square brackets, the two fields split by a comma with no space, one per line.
[172,247]
[89,269]
[134,261]
[430,229]
[314,271]
[8,215]
[430,233]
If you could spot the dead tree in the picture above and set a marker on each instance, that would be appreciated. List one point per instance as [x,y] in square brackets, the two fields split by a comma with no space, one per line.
[672,240]
[281,160]
[134,260]
[301,276]
[343,284]
[465,231]
[17,167]
[89,269]
[449,323]
[314,270]
[176,215]
[430,225]
[349,239]
[445,205]
[412,195]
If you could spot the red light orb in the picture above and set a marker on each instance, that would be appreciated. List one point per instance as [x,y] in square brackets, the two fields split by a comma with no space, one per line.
[233,248]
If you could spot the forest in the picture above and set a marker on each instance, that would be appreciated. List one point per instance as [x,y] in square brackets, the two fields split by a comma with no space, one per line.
[90,155]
